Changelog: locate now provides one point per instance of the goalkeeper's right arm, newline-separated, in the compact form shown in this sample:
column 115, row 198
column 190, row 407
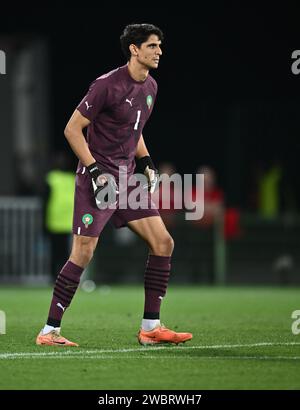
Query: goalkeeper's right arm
column 74, row 135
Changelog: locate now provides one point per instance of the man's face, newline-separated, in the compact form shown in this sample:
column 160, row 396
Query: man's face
column 149, row 52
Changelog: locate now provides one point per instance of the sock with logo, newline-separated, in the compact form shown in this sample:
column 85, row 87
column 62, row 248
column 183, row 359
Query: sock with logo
column 65, row 287
column 48, row 329
column 156, row 282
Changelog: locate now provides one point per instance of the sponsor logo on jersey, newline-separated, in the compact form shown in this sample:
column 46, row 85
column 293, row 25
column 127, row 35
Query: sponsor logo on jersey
column 129, row 101
column 87, row 105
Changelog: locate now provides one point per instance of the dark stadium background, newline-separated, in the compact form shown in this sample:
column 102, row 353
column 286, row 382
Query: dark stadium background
column 227, row 98
column 227, row 95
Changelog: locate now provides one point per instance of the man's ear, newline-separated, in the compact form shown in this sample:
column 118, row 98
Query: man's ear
column 133, row 49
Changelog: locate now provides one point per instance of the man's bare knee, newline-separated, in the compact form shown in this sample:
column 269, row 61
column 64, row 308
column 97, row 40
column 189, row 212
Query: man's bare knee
column 82, row 250
column 163, row 246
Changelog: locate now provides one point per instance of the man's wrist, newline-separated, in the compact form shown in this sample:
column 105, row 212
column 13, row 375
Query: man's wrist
column 94, row 170
column 145, row 162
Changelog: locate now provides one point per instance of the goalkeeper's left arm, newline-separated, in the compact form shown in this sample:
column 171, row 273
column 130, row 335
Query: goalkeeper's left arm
column 146, row 164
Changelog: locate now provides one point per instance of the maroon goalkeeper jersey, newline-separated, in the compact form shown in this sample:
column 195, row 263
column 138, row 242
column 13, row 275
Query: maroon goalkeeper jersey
column 118, row 108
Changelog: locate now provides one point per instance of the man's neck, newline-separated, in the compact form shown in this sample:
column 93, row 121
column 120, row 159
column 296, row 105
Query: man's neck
column 137, row 71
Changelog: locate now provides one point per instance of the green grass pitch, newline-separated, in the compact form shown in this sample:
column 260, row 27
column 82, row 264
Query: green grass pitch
column 242, row 340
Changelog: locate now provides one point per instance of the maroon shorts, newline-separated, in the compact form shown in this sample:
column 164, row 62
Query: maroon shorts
column 88, row 220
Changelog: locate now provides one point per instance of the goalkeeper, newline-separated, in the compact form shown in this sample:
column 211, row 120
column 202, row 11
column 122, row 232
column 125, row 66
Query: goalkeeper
column 114, row 111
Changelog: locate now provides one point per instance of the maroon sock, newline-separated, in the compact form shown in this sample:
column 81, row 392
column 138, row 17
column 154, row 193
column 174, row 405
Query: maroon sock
column 65, row 287
column 156, row 281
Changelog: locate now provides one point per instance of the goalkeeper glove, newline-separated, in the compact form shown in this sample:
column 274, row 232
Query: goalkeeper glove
column 100, row 181
column 150, row 171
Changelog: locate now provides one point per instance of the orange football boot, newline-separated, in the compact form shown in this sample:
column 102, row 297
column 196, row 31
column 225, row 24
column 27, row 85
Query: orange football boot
column 160, row 334
column 53, row 338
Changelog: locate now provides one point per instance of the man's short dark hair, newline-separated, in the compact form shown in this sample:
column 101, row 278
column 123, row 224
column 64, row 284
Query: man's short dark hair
column 138, row 34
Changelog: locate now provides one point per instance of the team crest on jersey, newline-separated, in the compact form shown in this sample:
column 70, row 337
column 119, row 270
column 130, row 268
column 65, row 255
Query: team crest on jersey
column 87, row 219
column 149, row 101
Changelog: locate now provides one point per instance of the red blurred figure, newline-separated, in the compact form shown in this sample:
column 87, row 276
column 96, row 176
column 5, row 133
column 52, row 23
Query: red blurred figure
column 213, row 197
column 214, row 205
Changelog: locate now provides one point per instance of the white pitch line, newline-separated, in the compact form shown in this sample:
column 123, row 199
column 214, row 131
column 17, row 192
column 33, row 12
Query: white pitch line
column 104, row 357
column 101, row 352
